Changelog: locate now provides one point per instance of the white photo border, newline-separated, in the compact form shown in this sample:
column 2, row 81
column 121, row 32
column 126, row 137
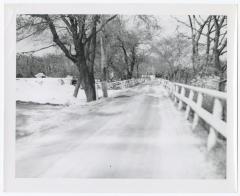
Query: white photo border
column 117, row 185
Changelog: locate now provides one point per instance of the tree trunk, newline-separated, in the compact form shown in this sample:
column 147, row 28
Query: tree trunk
column 208, row 45
column 193, row 43
column 186, row 77
column 216, row 57
column 133, row 61
column 90, row 91
column 76, row 89
column 194, row 57
column 221, row 86
column 216, row 53
column 84, row 57
column 86, row 68
column 89, row 87
column 104, row 83
column 131, row 69
column 129, row 74
column 137, row 70
column 87, row 80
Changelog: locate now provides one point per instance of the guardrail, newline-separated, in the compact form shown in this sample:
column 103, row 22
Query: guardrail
column 178, row 92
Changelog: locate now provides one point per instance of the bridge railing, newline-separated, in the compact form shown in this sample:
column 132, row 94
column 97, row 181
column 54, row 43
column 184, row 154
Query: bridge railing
column 217, row 125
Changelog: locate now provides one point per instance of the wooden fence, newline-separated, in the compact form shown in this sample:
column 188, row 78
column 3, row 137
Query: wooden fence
column 217, row 125
column 122, row 83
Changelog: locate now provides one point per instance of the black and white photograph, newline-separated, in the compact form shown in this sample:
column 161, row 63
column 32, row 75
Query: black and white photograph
column 121, row 96
column 125, row 98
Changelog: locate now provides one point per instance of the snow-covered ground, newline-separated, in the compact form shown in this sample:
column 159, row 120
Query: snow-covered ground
column 51, row 90
column 36, row 97
column 138, row 133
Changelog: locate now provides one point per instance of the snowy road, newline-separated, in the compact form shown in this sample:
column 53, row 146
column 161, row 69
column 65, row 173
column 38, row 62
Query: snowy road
column 137, row 134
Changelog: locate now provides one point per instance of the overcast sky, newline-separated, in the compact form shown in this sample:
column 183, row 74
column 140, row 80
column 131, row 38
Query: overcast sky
column 168, row 28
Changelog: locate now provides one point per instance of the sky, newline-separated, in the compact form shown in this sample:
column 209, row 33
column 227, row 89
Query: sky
column 168, row 26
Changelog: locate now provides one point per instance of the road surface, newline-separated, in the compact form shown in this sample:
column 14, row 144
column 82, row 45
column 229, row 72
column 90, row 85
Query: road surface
column 137, row 134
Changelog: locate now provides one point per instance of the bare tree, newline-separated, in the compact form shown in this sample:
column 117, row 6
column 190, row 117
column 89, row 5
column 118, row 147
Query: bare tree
column 196, row 32
column 196, row 25
column 220, row 44
column 208, row 44
column 76, row 35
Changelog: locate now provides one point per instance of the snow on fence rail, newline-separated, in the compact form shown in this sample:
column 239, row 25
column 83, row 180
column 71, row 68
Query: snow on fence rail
column 214, row 119
column 122, row 83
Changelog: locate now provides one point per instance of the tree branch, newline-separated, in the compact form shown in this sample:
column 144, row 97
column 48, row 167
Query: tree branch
column 37, row 50
column 201, row 29
column 223, row 46
column 101, row 27
column 31, row 34
column 56, row 38
column 66, row 22
column 223, row 52
column 190, row 26
column 26, row 25
column 223, row 36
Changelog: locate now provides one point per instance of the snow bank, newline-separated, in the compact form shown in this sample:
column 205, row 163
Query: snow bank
column 51, row 90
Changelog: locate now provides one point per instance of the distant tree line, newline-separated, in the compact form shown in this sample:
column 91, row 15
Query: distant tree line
column 51, row 65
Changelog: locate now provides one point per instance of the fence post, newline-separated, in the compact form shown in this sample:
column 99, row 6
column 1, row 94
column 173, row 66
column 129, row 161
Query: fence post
column 124, row 84
column 166, row 86
column 131, row 82
column 188, row 106
column 199, row 104
column 171, row 90
column 96, row 89
column 180, row 104
column 176, row 92
column 217, row 112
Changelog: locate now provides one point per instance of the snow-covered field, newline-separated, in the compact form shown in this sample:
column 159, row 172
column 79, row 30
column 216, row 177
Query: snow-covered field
column 51, row 90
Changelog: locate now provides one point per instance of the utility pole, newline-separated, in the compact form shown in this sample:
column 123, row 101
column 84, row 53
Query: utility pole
column 103, row 68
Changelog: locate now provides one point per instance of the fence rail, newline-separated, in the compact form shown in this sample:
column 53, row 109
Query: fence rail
column 178, row 92
column 122, row 83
